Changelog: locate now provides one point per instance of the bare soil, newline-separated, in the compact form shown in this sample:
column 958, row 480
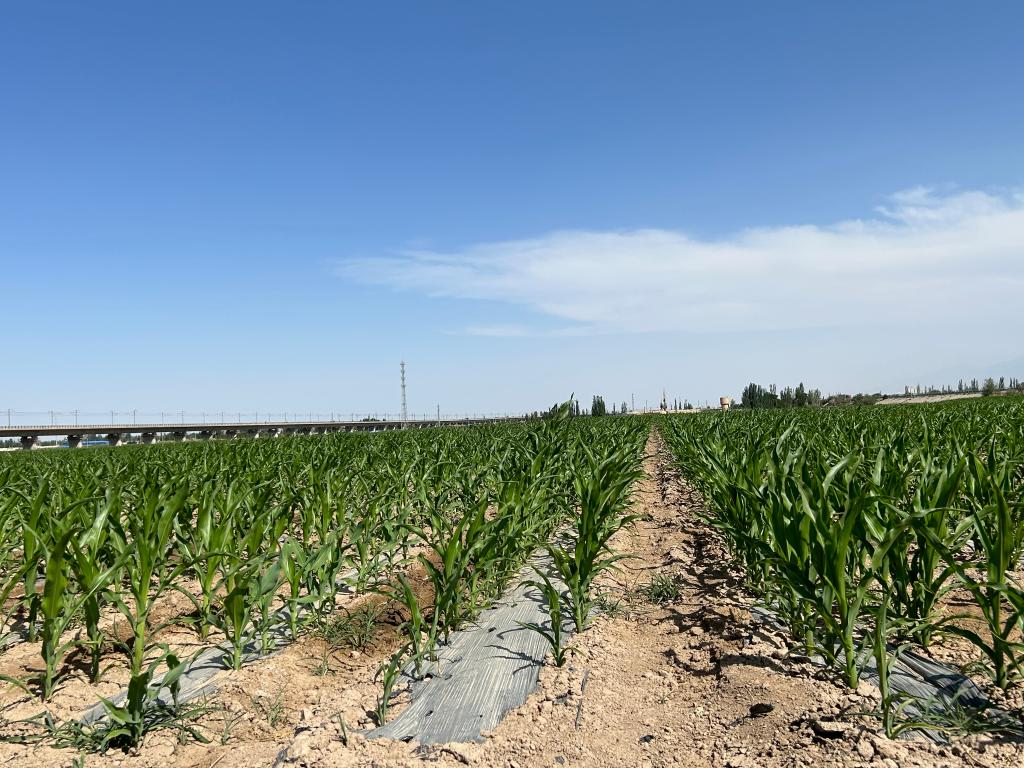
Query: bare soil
column 694, row 682
column 914, row 399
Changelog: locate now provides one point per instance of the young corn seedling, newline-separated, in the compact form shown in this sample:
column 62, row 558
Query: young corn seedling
column 144, row 710
column 892, row 702
column 34, row 519
column 56, row 604
column 143, row 550
column 300, row 567
column 318, row 559
column 455, row 581
column 553, row 632
column 365, row 547
column 917, row 576
column 421, row 634
column 1000, row 532
column 249, row 588
column 389, row 672
column 87, row 555
column 9, row 521
column 602, row 485
column 207, row 544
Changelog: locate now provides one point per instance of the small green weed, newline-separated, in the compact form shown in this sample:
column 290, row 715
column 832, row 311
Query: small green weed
column 272, row 708
column 323, row 667
column 228, row 722
column 609, row 605
column 663, row 589
column 355, row 629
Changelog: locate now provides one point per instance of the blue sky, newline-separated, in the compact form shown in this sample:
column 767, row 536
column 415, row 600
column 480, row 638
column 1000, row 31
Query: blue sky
column 266, row 205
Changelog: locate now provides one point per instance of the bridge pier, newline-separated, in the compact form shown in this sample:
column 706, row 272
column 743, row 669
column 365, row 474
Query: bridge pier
column 115, row 438
column 148, row 438
column 28, row 442
column 205, row 434
column 178, row 437
column 74, row 441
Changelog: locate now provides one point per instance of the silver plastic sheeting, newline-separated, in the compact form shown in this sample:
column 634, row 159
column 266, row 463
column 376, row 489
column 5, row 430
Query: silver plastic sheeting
column 485, row 671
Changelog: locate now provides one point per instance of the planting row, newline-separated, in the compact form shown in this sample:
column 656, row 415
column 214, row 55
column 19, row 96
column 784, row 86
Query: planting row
column 856, row 526
column 260, row 533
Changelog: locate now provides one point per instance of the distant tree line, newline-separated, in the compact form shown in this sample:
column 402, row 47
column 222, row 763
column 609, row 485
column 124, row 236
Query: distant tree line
column 597, row 408
column 988, row 386
column 756, row 396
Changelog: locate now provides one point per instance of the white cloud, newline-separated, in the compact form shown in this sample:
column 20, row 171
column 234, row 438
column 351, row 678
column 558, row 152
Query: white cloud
column 516, row 330
column 501, row 331
column 926, row 258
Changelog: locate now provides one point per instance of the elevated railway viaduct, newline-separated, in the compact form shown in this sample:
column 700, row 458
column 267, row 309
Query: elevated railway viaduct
column 116, row 434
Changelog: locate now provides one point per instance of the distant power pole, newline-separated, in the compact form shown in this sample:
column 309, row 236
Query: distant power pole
column 405, row 412
column 632, row 401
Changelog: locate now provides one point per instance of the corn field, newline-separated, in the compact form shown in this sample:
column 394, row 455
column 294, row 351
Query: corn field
column 262, row 536
column 857, row 526
column 865, row 531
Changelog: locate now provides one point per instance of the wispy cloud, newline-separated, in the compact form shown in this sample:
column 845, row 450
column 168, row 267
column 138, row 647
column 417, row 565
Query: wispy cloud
column 926, row 257
column 501, row 331
column 514, row 330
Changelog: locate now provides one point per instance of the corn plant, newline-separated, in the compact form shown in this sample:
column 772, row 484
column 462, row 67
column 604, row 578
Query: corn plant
column 88, row 553
column 454, row 547
column 602, row 484
column 33, row 520
column 421, row 634
column 893, row 703
column 300, row 571
column 242, row 611
column 856, row 523
column 365, row 546
column 922, row 575
column 389, row 673
column 57, row 605
column 148, row 534
column 553, row 632
column 1000, row 533
column 144, row 710
column 207, row 543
